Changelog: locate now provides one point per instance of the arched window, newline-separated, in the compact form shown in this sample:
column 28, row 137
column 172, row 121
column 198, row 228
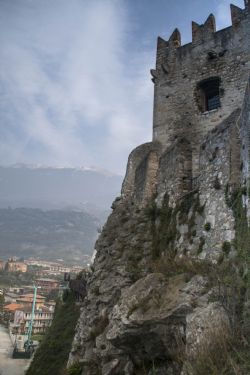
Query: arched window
column 209, row 94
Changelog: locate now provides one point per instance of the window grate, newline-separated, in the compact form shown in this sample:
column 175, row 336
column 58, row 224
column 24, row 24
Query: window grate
column 213, row 102
column 209, row 94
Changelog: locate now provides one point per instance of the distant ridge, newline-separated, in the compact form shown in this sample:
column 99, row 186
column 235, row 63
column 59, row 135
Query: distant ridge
column 50, row 212
column 48, row 235
column 46, row 187
column 56, row 167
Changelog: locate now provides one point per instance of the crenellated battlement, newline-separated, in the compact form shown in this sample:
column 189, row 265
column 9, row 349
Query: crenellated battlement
column 201, row 33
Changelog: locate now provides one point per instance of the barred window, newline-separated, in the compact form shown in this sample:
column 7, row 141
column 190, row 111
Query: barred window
column 209, row 94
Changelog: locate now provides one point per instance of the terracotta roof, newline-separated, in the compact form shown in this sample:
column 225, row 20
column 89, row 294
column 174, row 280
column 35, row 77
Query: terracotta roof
column 12, row 307
column 12, row 295
column 49, row 280
column 44, row 309
column 29, row 300
column 31, row 295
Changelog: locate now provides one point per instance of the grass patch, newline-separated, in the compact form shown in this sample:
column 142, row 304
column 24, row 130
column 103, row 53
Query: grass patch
column 215, row 355
column 187, row 266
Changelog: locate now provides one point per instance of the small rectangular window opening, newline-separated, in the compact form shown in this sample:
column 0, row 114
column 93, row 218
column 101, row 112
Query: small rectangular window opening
column 212, row 97
column 211, row 94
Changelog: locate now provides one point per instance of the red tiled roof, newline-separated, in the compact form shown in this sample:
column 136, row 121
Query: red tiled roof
column 49, row 280
column 27, row 300
column 32, row 295
column 44, row 309
column 13, row 307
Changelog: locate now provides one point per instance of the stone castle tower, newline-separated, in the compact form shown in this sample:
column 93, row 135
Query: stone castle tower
column 177, row 206
column 197, row 86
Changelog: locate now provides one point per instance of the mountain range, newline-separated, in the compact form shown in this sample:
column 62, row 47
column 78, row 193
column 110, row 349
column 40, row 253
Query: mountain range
column 53, row 188
column 52, row 213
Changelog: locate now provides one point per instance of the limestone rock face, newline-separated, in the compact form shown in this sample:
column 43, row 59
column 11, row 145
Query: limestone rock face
column 139, row 314
column 121, row 259
column 151, row 312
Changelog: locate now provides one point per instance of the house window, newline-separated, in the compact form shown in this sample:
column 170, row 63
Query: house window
column 209, row 94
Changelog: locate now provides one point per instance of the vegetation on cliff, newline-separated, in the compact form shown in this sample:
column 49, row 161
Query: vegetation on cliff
column 52, row 355
column 224, row 350
column 227, row 350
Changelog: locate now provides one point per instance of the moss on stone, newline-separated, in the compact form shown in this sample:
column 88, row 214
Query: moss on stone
column 207, row 227
column 163, row 228
column 226, row 247
column 165, row 222
column 201, row 245
column 75, row 369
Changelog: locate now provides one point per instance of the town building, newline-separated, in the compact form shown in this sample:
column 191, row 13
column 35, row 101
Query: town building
column 10, row 297
column 9, row 311
column 16, row 289
column 14, row 266
column 27, row 300
column 52, row 268
column 2, row 265
column 47, row 285
column 42, row 319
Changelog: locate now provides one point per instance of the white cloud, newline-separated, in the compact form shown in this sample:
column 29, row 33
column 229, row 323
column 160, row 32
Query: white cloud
column 71, row 95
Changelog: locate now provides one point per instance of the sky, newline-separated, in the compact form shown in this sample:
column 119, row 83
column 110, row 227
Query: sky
column 75, row 87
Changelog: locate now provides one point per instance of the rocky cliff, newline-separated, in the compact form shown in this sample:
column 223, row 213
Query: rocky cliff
column 170, row 282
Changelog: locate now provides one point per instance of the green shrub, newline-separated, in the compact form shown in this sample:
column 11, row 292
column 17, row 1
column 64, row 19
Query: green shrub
column 52, row 355
column 226, row 247
column 185, row 265
column 244, row 190
column 75, row 369
column 217, row 184
column 207, row 227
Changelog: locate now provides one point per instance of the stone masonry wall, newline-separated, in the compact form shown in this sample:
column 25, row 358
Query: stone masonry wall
column 209, row 222
column 146, row 178
column 180, row 68
column 175, row 171
column 142, row 163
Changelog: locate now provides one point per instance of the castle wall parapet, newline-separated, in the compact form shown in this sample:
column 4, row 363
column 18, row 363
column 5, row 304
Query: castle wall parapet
column 139, row 183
